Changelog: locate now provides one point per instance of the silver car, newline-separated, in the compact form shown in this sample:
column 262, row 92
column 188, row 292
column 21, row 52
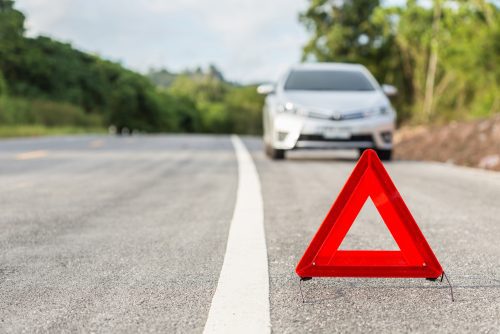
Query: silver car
column 328, row 106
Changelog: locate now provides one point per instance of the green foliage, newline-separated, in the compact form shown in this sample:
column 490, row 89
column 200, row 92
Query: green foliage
column 162, row 77
column 343, row 31
column 40, row 130
column 51, row 113
column 184, row 115
column 3, row 86
column 11, row 30
column 245, row 107
column 11, row 39
column 221, row 107
column 52, row 84
column 48, row 113
column 202, row 87
column 12, row 27
column 396, row 44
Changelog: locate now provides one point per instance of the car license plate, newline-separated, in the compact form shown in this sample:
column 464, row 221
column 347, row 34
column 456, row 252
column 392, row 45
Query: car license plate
column 337, row 133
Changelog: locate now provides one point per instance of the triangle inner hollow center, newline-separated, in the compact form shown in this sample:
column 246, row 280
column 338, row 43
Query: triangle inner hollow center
column 369, row 232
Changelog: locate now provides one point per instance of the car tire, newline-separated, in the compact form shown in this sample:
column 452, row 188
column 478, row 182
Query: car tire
column 267, row 149
column 384, row 155
column 275, row 154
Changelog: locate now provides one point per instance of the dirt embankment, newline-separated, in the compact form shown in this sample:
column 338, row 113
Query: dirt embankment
column 473, row 143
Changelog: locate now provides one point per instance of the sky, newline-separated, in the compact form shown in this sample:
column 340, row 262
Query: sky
column 249, row 40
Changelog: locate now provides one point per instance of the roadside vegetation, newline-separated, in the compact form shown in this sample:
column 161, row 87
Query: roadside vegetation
column 442, row 55
column 47, row 85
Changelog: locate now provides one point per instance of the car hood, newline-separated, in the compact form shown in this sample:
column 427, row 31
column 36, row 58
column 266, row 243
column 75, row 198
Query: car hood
column 335, row 102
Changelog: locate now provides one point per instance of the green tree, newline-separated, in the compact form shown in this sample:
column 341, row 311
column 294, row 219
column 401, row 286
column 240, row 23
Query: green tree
column 214, row 72
column 343, row 31
column 201, row 86
column 3, row 85
column 11, row 22
column 468, row 81
column 53, row 84
column 208, row 92
column 407, row 30
column 135, row 105
column 11, row 35
column 245, row 110
column 183, row 115
column 162, row 77
column 448, row 56
column 443, row 58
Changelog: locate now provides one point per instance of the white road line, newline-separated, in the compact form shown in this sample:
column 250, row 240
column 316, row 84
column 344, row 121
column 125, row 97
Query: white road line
column 241, row 300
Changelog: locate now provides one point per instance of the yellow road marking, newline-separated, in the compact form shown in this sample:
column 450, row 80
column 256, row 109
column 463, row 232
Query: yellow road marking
column 31, row 155
column 96, row 143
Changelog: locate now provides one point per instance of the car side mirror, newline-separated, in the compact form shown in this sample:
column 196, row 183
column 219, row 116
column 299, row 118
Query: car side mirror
column 389, row 90
column 266, row 89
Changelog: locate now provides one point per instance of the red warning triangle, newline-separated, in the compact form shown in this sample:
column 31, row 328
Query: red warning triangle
column 323, row 257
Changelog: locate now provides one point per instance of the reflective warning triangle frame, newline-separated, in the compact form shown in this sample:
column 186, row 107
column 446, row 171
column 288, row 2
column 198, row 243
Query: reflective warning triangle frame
column 324, row 259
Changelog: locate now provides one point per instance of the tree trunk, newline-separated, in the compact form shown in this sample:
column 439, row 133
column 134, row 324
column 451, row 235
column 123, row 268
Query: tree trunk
column 433, row 60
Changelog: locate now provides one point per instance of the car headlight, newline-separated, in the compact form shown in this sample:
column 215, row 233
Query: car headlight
column 291, row 108
column 287, row 107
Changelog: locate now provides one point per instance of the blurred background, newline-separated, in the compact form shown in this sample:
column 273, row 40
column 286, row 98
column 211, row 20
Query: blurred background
column 71, row 66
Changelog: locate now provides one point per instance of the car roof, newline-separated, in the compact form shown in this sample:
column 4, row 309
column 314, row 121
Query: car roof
column 328, row 66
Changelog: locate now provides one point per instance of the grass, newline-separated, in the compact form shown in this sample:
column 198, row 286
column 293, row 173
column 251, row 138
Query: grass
column 40, row 130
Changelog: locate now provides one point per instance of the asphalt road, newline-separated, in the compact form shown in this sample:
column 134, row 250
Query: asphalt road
column 128, row 234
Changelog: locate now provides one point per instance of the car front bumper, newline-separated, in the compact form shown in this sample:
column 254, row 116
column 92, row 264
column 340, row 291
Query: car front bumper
column 297, row 132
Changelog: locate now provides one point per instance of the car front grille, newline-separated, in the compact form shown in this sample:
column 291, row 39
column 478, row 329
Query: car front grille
column 342, row 117
column 353, row 138
column 356, row 115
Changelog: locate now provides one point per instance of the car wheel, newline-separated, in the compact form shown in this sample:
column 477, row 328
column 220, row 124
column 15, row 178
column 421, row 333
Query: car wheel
column 384, row 155
column 267, row 149
column 275, row 154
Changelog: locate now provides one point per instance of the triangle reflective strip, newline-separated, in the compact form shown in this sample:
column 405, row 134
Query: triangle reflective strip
column 369, row 179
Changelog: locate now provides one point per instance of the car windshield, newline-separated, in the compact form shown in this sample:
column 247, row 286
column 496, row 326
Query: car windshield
column 328, row 80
